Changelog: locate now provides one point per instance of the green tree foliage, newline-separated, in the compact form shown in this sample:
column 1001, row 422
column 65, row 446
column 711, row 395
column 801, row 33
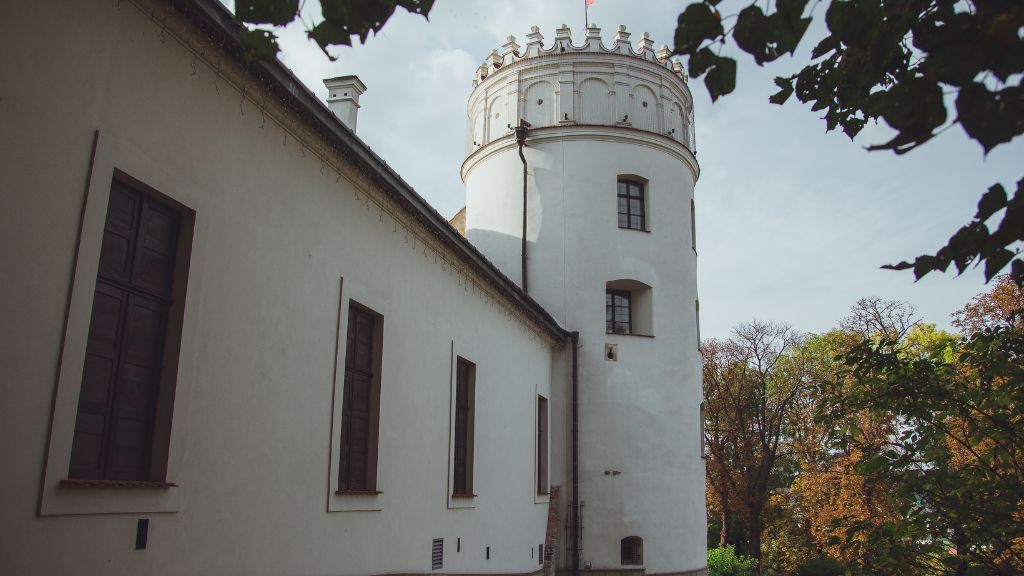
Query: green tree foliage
column 342, row 20
column 953, row 458
column 894, row 60
column 902, row 451
column 725, row 562
column 821, row 566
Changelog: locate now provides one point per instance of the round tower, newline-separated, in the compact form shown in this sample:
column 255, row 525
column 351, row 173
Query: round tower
column 610, row 251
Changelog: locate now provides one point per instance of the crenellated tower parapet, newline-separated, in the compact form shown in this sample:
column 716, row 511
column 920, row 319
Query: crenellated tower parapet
column 622, row 86
column 534, row 48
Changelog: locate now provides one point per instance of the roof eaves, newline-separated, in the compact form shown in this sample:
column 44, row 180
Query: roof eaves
column 215, row 20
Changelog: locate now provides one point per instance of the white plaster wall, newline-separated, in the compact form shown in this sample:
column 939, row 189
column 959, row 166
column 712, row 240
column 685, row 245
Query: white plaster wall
column 253, row 418
column 639, row 415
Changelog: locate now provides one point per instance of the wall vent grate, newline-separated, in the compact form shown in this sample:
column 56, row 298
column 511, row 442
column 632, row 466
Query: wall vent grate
column 437, row 554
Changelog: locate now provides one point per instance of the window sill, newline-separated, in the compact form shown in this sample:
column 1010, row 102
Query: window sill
column 81, row 483
column 463, row 495
column 629, row 334
column 635, row 229
column 358, row 492
column 79, row 496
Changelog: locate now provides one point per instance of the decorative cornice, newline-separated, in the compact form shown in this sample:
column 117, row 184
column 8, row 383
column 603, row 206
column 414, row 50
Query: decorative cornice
column 589, row 133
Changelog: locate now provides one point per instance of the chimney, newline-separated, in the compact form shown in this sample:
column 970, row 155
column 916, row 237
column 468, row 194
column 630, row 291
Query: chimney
column 343, row 98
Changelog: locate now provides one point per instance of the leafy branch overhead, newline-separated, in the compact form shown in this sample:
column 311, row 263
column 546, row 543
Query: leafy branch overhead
column 974, row 240
column 894, row 60
column 342, row 20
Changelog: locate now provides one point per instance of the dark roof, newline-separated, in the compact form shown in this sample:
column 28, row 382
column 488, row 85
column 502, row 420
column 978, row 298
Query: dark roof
column 214, row 20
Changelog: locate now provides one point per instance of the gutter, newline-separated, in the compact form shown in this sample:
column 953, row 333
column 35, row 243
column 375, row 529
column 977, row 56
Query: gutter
column 521, row 131
column 574, row 521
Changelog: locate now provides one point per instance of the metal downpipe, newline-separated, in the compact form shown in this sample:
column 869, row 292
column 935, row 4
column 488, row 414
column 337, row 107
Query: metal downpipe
column 574, row 338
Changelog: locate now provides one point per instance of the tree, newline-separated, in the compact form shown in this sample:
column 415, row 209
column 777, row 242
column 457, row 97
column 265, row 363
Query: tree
column 828, row 494
column 342, row 19
column 751, row 385
column 895, row 60
column 873, row 316
column 952, row 458
column 1003, row 305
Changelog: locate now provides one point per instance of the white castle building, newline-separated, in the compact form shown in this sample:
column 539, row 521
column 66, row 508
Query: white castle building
column 235, row 341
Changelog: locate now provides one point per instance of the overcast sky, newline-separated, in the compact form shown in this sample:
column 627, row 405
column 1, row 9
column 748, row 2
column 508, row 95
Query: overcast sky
column 792, row 222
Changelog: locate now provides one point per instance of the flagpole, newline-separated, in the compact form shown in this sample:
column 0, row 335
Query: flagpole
column 586, row 16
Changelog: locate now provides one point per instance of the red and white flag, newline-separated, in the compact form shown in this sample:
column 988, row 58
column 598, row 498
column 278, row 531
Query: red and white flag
column 589, row 2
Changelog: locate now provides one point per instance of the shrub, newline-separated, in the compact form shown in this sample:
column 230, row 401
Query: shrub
column 821, row 566
column 725, row 562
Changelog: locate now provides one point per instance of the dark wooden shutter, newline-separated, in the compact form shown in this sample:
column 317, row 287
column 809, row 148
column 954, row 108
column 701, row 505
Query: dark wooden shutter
column 542, row 445
column 460, row 483
column 358, row 401
column 98, row 382
column 124, row 352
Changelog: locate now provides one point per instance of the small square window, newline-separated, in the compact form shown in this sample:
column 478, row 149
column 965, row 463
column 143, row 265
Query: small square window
column 632, row 551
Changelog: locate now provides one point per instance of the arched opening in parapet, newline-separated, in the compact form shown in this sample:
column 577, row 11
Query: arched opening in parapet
column 538, row 107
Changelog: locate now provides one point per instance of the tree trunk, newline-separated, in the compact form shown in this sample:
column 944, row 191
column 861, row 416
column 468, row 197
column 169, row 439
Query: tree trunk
column 754, row 533
column 723, row 535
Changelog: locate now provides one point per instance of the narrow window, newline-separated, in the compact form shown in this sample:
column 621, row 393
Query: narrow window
column 631, row 205
column 361, row 402
column 632, row 551
column 618, row 319
column 693, row 225
column 703, row 443
column 542, row 445
column 696, row 314
column 123, row 422
column 465, row 381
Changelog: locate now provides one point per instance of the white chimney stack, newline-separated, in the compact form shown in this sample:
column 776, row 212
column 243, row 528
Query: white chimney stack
column 343, row 98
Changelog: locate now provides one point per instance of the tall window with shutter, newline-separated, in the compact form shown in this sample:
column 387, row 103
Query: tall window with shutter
column 465, row 384
column 123, row 417
column 542, row 445
column 360, row 405
column 693, row 225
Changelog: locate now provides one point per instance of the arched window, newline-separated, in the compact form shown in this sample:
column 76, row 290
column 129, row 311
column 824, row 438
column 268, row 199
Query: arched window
column 632, row 551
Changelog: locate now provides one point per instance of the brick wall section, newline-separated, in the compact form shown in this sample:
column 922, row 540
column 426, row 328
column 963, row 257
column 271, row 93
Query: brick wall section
column 551, row 538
